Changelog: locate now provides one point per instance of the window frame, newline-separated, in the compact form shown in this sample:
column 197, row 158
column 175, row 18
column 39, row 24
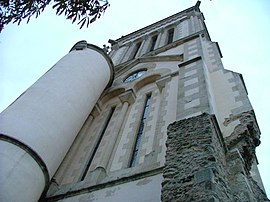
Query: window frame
column 134, row 75
column 136, row 50
column 170, row 35
column 141, row 126
column 153, row 42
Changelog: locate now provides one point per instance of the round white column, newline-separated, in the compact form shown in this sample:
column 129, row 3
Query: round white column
column 42, row 123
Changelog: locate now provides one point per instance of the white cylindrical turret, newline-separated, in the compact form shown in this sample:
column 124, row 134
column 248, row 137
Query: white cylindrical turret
column 38, row 128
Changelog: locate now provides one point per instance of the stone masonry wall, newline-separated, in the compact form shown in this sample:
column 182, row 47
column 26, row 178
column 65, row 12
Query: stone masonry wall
column 195, row 161
column 202, row 166
column 241, row 145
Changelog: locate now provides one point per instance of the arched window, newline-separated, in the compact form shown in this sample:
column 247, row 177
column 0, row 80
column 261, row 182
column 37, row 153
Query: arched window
column 140, row 131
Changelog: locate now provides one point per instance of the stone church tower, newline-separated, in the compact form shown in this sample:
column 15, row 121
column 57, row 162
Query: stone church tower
column 157, row 119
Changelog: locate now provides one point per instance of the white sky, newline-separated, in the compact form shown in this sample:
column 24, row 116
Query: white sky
column 242, row 29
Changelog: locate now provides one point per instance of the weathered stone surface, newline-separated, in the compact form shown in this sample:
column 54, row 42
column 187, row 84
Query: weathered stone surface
column 195, row 161
column 242, row 143
column 245, row 137
column 201, row 167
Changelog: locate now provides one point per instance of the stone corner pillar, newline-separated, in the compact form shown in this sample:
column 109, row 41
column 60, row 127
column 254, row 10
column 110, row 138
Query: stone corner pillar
column 38, row 128
column 195, row 162
column 244, row 177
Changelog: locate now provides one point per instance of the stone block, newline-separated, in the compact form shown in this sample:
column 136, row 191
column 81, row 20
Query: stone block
column 204, row 175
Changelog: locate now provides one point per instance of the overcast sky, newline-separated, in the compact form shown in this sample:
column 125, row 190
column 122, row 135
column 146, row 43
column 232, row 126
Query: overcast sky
column 242, row 29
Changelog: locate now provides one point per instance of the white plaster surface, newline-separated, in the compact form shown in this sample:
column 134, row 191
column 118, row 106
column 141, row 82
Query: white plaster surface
column 190, row 65
column 191, row 81
column 185, row 26
column 21, row 178
column 190, row 43
column 172, row 102
column 193, row 51
column 224, row 98
column 173, row 51
column 193, row 46
column 190, row 73
column 191, row 91
column 192, row 115
column 193, row 103
column 172, row 65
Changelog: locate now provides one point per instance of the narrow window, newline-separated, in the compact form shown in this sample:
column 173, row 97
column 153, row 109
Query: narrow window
column 140, row 131
column 97, row 144
column 153, row 42
column 170, row 36
column 136, row 49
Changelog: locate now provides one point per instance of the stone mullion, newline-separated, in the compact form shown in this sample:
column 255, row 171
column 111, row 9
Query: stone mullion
column 128, row 52
column 127, row 98
column 145, row 45
column 192, row 24
column 178, row 31
column 159, row 42
column 162, row 84
column 142, row 48
column 75, row 147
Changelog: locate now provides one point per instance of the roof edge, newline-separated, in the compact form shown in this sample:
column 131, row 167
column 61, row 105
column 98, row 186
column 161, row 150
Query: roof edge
column 195, row 7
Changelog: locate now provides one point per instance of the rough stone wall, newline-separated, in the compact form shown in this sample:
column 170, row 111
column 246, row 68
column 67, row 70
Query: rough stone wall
column 195, row 161
column 201, row 166
column 245, row 137
column 241, row 144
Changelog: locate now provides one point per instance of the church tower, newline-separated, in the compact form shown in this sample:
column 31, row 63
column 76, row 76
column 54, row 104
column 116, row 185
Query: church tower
column 158, row 118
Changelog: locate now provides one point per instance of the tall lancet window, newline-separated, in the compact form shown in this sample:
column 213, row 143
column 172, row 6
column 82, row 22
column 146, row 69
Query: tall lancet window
column 140, row 131
column 97, row 144
column 170, row 36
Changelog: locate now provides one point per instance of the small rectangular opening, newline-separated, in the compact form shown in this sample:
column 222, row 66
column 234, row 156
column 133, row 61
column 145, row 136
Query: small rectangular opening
column 153, row 42
column 170, row 36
